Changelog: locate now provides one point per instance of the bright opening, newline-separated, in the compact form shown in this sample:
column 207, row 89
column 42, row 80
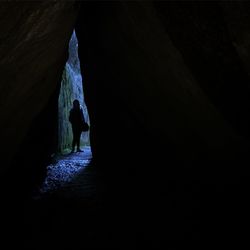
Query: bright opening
column 67, row 165
column 71, row 89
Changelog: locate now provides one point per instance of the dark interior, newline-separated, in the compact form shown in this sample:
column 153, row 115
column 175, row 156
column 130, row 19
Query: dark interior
column 166, row 84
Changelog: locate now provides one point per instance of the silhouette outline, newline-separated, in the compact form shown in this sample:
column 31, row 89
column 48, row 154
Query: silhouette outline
column 76, row 118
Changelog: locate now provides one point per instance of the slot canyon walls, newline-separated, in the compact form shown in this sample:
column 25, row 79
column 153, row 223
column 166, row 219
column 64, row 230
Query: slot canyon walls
column 167, row 90
column 202, row 36
column 33, row 53
column 170, row 88
column 167, row 80
column 71, row 89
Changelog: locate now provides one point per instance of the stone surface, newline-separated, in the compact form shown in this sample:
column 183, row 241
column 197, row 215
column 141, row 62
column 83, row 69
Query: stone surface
column 33, row 53
column 155, row 95
column 202, row 35
column 71, row 89
column 64, row 169
column 177, row 105
column 159, row 82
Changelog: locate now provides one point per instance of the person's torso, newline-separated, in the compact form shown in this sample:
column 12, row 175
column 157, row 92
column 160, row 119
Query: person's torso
column 76, row 117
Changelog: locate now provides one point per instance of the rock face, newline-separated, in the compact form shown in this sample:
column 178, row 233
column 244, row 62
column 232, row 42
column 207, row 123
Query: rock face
column 201, row 34
column 178, row 101
column 154, row 92
column 167, row 90
column 33, row 53
column 71, row 89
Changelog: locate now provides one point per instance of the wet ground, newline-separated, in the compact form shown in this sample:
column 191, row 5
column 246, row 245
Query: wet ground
column 66, row 213
column 80, row 207
column 61, row 174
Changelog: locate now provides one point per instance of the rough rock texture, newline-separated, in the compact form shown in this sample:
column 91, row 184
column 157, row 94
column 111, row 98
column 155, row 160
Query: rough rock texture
column 236, row 15
column 64, row 169
column 33, row 53
column 167, row 92
column 201, row 34
column 153, row 92
column 177, row 105
column 71, row 88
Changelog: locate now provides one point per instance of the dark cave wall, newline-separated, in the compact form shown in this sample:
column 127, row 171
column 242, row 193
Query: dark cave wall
column 157, row 98
column 33, row 54
column 236, row 16
column 168, row 102
column 201, row 34
column 161, row 76
column 170, row 85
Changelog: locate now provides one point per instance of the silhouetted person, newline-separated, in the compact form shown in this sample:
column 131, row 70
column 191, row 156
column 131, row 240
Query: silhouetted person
column 76, row 119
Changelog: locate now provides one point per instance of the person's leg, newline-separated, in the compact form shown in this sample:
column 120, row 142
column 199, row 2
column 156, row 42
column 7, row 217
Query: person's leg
column 78, row 141
column 73, row 144
column 74, row 141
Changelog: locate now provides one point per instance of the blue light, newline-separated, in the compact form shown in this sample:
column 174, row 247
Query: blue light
column 66, row 168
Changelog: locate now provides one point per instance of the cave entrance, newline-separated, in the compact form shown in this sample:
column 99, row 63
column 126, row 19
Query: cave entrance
column 66, row 166
column 71, row 89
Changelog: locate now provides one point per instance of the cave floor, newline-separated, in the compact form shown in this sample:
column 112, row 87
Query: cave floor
column 77, row 209
column 67, row 213
column 69, row 175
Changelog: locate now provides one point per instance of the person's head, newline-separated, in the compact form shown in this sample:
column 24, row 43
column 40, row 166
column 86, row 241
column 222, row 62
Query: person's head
column 76, row 104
